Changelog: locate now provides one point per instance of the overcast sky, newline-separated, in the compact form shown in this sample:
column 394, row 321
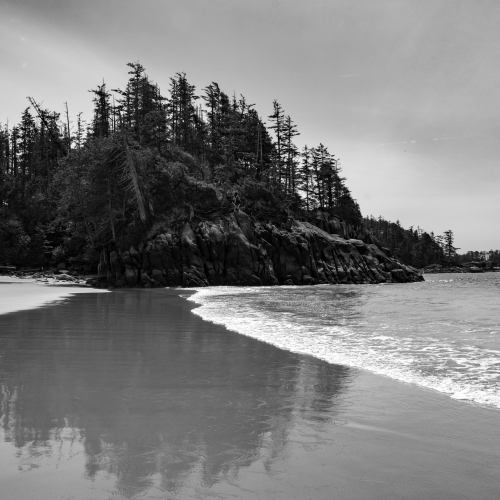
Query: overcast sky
column 405, row 93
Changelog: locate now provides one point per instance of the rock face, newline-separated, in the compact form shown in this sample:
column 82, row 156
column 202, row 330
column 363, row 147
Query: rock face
column 241, row 251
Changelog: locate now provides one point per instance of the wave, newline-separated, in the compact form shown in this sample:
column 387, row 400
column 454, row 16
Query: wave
column 341, row 327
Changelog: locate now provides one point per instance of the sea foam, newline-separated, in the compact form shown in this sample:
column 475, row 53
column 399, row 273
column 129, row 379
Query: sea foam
column 380, row 329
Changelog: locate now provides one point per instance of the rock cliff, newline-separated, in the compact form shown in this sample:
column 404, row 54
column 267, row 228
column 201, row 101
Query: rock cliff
column 238, row 250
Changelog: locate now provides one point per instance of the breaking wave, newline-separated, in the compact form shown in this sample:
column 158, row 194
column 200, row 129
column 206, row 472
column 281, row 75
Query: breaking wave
column 443, row 334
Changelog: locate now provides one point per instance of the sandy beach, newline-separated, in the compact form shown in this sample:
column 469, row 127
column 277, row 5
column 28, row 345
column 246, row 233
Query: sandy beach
column 127, row 394
column 18, row 294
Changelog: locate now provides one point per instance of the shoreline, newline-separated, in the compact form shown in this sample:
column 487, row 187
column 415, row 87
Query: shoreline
column 60, row 291
column 362, row 435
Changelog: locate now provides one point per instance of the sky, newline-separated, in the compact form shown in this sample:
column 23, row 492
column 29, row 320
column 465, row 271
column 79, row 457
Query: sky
column 405, row 93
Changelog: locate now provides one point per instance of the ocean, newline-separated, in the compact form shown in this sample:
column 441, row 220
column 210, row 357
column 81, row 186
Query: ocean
column 441, row 334
column 369, row 392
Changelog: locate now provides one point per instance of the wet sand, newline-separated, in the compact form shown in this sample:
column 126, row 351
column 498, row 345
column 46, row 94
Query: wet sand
column 129, row 395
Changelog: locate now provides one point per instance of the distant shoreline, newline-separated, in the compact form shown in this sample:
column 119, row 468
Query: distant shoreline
column 456, row 269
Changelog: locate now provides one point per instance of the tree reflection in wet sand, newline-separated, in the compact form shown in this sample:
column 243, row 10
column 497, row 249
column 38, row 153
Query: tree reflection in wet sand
column 154, row 394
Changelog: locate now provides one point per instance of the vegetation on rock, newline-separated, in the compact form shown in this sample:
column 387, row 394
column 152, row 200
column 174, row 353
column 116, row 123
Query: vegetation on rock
column 417, row 248
column 146, row 163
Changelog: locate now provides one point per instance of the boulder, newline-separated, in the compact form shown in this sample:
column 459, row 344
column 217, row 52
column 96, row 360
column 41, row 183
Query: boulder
column 64, row 277
column 131, row 275
column 399, row 275
column 158, row 277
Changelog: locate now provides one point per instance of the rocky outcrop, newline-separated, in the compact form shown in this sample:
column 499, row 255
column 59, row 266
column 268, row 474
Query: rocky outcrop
column 238, row 250
column 50, row 277
column 467, row 267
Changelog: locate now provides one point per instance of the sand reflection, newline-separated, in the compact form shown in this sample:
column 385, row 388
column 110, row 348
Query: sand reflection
column 135, row 389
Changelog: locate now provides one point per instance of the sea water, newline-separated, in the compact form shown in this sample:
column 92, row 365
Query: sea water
column 441, row 334
column 128, row 394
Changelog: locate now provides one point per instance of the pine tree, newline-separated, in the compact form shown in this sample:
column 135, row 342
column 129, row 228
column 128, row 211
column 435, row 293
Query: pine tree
column 328, row 176
column 448, row 239
column 5, row 177
column 26, row 150
column 278, row 122
column 317, row 183
column 102, row 112
column 141, row 110
column 306, row 181
column 182, row 111
column 212, row 99
column 290, row 153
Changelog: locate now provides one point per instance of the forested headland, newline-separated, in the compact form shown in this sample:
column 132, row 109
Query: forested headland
column 420, row 249
column 76, row 186
column 147, row 163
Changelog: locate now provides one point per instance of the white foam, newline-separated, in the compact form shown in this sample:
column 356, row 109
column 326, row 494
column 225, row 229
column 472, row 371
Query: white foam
column 462, row 371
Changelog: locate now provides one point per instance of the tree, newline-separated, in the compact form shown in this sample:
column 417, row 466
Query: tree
column 102, row 112
column 184, row 116
column 417, row 248
column 26, row 148
column 290, row 153
column 141, row 110
column 306, row 180
column 278, row 124
column 448, row 239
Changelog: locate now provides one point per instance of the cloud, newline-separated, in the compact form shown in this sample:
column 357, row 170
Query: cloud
column 435, row 139
column 396, row 143
column 460, row 137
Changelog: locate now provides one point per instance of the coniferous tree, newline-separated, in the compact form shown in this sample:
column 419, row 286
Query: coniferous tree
column 26, row 150
column 290, row 153
column 185, row 121
column 448, row 240
column 101, row 120
column 141, row 111
column 14, row 156
column 306, row 180
column 316, row 164
column 277, row 124
column 5, row 173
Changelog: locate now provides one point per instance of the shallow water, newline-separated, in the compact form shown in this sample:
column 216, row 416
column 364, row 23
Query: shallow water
column 442, row 334
column 130, row 395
